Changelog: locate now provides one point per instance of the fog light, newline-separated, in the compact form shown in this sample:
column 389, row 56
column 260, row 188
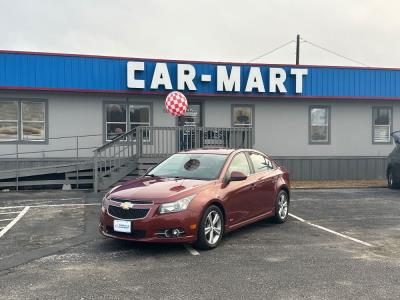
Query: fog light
column 170, row 233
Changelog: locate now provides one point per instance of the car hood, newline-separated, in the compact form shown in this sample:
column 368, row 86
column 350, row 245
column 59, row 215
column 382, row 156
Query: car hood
column 158, row 189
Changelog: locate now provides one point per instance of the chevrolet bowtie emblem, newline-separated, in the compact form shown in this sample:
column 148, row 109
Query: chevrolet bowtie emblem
column 126, row 205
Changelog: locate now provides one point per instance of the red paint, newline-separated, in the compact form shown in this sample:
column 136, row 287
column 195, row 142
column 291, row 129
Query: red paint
column 244, row 202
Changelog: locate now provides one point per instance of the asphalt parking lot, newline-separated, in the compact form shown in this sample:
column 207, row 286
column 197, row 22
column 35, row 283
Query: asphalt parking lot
column 337, row 244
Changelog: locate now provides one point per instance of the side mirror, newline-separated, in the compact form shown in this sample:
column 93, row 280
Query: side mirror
column 237, row 176
column 396, row 137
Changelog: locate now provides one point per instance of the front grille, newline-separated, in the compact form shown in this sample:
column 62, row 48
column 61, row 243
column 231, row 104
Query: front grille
column 127, row 214
column 133, row 234
column 141, row 202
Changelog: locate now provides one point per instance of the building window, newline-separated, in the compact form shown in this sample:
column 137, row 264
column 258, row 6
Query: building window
column 242, row 116
column 8, row 121
column 33, row 121
column 115, row 120
column 23, row 121
column 139, row 115
column 381, row 124
column 121, row 118
column 319, row 125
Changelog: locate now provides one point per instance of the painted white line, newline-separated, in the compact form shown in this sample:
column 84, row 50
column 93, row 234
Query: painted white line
column 12, row 223
column 9, row 213
column 2, row 220
column 52, row 205
column 332, row 231
column 191, row 250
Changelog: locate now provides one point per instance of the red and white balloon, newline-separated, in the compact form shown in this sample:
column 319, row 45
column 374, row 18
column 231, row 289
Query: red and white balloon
column 176, row 103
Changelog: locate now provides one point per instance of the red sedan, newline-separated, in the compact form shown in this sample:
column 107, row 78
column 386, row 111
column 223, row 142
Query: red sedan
column 196, row 197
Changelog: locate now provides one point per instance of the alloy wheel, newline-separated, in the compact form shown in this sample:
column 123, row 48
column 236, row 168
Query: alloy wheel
column 390, row 179
column 213, row 227
column 282, row 206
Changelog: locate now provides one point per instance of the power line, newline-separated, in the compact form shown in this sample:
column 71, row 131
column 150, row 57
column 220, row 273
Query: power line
column 272, row 51
column 334, row 53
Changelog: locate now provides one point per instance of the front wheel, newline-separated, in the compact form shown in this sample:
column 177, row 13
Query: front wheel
column 281, row 207
column 392, row 183
column 211, row 228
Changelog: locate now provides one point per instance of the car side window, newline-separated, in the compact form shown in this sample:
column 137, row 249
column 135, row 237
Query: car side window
column 239, row 163
column 260, row 163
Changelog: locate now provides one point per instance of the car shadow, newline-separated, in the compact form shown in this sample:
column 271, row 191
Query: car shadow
column 143, row 249
column 109, row 245
column 246, row 231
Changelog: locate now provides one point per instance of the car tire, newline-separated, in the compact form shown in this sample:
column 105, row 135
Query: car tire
column 211, row 228
column 392, row 182
column 281, row 207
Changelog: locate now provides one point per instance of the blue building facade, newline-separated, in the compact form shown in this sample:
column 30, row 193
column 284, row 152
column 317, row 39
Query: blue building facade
column 63, row 72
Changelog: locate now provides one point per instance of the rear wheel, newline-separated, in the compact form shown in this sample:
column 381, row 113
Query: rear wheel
column 281, row 207
column 392, row 182
column 211, row 228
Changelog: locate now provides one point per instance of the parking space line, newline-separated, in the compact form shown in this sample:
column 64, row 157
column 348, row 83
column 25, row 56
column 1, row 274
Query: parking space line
column 12, row 223
column 191, row 250
column 331, row 231
column 9, row 213
column 2, row 220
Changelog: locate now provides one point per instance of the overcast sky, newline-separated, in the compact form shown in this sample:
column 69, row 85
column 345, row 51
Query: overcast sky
column 212, row 30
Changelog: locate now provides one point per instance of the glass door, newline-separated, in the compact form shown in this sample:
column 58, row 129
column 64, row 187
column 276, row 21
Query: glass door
column 189, row 136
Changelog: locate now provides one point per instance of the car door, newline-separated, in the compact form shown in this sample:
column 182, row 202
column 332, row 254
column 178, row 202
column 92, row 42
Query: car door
column 394, row 157
column 396, row 162
column 238, row 201
column 266, row 176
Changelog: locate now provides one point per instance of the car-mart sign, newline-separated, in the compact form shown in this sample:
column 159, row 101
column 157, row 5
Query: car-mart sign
column 214, row 78
column 121, row 75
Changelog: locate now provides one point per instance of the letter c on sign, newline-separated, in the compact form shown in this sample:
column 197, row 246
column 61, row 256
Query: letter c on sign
column 132, row 67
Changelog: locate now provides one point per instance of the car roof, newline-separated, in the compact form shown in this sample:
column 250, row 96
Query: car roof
column 223, row 151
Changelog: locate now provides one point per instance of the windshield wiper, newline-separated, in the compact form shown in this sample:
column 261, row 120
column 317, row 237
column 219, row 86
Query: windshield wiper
column 150, row 175
column 179, row 177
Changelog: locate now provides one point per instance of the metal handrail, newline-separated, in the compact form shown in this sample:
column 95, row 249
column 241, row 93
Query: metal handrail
column 77, row 139
column 116, row 139
column 110, row 157
column 54, row 138
column 49, row 151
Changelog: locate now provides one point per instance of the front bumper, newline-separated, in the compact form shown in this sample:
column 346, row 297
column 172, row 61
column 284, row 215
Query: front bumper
column 150, row 228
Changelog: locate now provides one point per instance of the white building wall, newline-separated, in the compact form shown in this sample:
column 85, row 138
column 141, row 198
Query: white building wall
column 281, row 126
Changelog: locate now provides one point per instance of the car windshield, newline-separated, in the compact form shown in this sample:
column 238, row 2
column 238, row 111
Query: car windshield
column 190, row 166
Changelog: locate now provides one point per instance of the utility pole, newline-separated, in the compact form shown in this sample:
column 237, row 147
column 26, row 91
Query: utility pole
column 298, row 50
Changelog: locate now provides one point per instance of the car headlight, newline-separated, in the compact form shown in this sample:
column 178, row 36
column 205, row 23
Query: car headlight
column 175, row 206
column 103, row 204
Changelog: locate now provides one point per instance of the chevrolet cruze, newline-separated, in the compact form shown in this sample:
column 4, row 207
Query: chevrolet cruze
column 196, row 197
